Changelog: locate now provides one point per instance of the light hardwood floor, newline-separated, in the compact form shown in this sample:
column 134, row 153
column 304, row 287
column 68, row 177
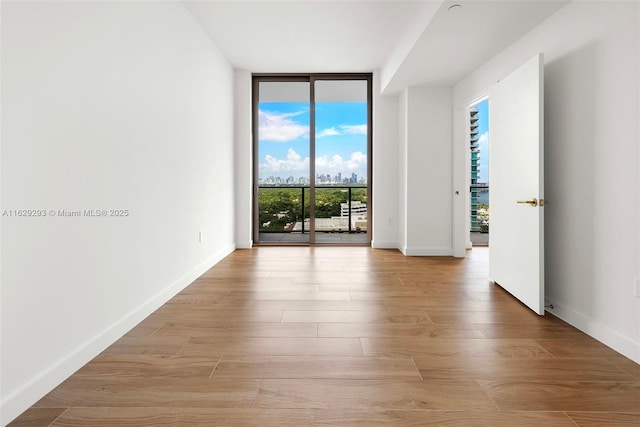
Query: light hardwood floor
column 347, row 336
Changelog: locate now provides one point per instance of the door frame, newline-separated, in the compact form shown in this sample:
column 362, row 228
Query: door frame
column 311, row 78
column 485, row 97
column 461, row 179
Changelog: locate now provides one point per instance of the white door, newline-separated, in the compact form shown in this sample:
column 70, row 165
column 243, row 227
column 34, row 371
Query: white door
column 516, row 260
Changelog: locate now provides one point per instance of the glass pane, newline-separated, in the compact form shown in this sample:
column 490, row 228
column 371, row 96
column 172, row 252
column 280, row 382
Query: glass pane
column 341, row 161
column 283, row 162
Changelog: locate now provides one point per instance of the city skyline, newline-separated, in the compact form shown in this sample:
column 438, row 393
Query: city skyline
column 325, row 179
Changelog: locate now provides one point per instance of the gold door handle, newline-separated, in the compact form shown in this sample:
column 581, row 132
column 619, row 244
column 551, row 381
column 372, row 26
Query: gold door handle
column 544, row 202
column 533, row 202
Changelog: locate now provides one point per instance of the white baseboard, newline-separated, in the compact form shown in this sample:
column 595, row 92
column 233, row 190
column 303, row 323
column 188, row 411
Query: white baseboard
column 21, row 399
column 413, row 251
column 377, row 244
column 602, row 333
column 244, row 244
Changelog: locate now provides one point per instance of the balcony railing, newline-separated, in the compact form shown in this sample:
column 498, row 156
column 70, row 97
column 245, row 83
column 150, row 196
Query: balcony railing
column 338, row 208
column 479, row 216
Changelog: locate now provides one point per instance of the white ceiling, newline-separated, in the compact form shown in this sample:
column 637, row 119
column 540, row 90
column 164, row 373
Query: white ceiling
column 454, row 44
column 413, row 42
column 304, row 36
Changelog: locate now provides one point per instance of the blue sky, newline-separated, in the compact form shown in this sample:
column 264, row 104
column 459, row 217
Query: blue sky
column 341, row 139
column 483, row 143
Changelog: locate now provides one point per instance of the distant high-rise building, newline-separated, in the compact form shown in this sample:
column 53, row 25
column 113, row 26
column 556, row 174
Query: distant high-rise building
column 357, row 208
column 475, row 166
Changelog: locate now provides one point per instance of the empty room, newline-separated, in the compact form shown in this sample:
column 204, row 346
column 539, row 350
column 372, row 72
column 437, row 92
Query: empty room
column 306, row 212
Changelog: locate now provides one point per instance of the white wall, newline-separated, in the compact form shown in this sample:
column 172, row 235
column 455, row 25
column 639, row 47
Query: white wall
column 105, row 105
column 592, row 162
column 385, row 164
column 243, row 148
column 385, row 168
column 427, row 169
column 403, row 141
column 461, row 223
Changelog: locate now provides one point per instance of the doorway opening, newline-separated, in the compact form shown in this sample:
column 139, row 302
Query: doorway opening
column 479, row 212
column 312, row 159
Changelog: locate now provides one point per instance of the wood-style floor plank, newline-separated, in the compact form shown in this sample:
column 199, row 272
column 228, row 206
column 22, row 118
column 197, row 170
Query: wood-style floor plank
column 599, row 419
column 369, row 394
column 150, row 392
column 147, row 345
column 204, row 346
column 119, row 416
column 538, row 331
column 582, row 348
column 347, row 336
column 215, row 315
column 486, row 368
column 143, row 366
column 309, row 295
column 145, row 328
column 451, row 315
column 37, row 417
column 225, row 330
column 626, row 365
column 306, row 305
column 317, row 367
column 390, row 330
column 410, row 418
column 183, row 417
column 344, row 316
column 559, row 395
column 448, row 347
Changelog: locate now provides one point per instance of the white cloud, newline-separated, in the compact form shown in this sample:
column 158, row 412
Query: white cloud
column 294, row 163
column 354, row 129
column 279, row 127
column 357, row 163
column 328, row 132
column 343, row 130
column 483, row 141
column 324, row 162
column 357, row 160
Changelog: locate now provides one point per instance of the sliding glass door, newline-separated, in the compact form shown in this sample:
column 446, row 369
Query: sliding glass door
column 341, row 161
column 282, row 152
column 312, row 159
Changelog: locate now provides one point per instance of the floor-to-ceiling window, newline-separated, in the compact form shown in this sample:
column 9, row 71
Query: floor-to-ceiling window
column 312, row 157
